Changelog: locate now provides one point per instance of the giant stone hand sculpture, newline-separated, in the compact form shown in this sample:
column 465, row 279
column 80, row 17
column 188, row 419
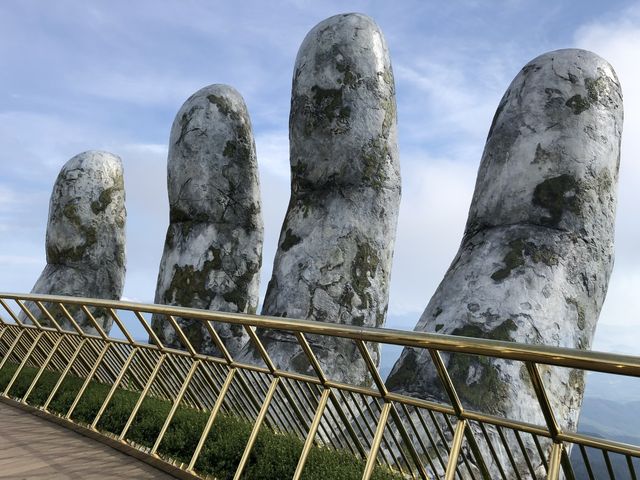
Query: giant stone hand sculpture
column 537, row 251
column 336, row 244
column 85, row 241
column 213, row 248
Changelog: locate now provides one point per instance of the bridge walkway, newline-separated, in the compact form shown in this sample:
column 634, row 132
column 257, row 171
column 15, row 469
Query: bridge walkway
column 34, row 448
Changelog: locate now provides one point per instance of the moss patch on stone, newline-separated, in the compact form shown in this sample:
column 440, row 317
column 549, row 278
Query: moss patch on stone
column 190, row 284
column 519, row 251
column 327, row 111
column 580, row 311
column 557, row 195
column 104, row 200
column 290, row 239
column 486, row 390
column 578, row 104
column 407, row 375
column 364, row 267
column 76, row 253
column 374, row 155
column 223, row 104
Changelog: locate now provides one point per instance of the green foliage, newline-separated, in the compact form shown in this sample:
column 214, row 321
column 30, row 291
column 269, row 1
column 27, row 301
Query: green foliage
column 274, row 454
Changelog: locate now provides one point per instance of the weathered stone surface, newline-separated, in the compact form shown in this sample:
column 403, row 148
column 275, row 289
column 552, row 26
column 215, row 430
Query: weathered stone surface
column 336, row 244
column 537, row 252
column 85, row 241
column 213, row 249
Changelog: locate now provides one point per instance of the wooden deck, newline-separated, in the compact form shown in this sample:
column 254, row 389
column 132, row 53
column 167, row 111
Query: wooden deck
column 34, row 448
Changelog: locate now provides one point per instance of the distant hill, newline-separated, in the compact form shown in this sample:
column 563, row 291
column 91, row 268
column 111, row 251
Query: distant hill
column 614, row 420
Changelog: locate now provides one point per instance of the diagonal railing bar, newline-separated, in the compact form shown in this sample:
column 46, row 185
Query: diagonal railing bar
column 347, row 424
column 373, row 371
column 87, row 380
column 71, row 319
column 15, row 376
column 387, row 448
column 566, row 465
column 313, row 429
column 541, row 454
column 10, row 312
column 28, row 313
column 113, row 389
column 174, row 407
column 607, row 462
column 398, row 447
column 454, row 452
column 94, row 322
column 142, row 397
column 492, row 451
column 543, row 400
column 52, row 321
column 121, row 326
column 219, row 343
column 15, row 342
column 512, row 461
column 365, row 415
column 477, row 454
column 525, row 454
column 409, row 445
column 447, row 383
column 372, row 368
column 403, row 444
column 338, row 440
column 555, row 458
column 256, row 428
column 461, row 456
column 432, row 441
column 361, row 418
column 64, row 373
column 632, row 470
column 152, row 335
column 255, row 341
column 258, row 380
column 375, row 443
column 306, row 348
column 181, row 335
column 418, row 437
column 41, row 370
column 212, row 417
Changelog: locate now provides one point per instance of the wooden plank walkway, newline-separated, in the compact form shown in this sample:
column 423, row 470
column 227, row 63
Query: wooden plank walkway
column 34, row 448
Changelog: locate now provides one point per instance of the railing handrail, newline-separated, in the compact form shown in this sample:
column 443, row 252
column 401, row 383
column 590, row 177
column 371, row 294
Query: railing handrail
column 559, row 356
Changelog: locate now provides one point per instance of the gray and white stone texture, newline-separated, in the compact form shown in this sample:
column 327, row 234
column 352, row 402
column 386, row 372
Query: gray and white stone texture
column 336, row 244
column 538, row 248
column 85, row 241
column 213, row 249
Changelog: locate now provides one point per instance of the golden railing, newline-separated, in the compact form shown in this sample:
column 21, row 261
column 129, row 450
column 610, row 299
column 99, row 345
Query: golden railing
column 416, row 438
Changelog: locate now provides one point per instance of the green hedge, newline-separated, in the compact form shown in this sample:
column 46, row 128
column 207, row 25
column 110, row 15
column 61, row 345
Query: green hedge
column 274, row 455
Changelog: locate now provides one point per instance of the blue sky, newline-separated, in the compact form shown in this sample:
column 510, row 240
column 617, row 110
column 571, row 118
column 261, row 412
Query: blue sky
column 78, row 75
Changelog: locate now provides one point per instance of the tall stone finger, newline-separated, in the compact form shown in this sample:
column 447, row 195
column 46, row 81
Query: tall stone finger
column 336, row 244
column 85, row 242
column 537, row 251
column 213, row 248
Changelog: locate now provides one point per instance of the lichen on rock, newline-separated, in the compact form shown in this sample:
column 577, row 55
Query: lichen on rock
column 213, row 247
column 334, row 254
column 85, row 241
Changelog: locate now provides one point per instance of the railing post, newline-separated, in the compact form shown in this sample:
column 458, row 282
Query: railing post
column 554, row 461
column 454, row 453
column 375, row 443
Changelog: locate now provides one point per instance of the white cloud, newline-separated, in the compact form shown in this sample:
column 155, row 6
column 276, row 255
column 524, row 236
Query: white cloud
column 272, row 149
column 617, row 41
column 435, row 201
